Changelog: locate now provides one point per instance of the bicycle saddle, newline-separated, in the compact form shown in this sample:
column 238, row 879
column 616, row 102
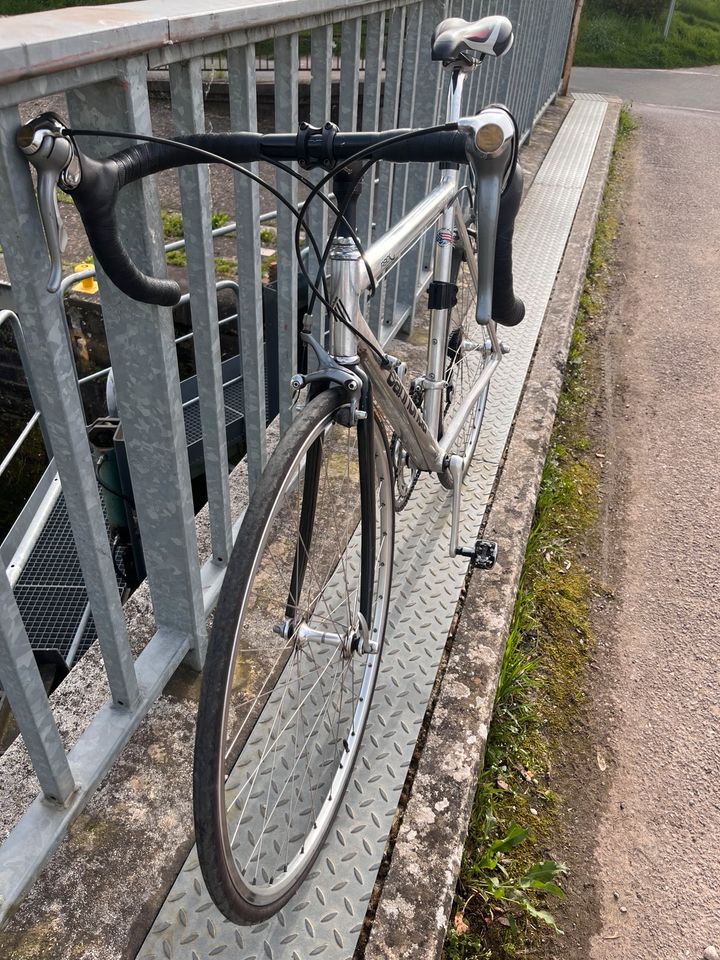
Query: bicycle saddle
column 459, row 40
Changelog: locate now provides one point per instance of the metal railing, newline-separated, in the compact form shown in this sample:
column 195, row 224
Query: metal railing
column 102, row 71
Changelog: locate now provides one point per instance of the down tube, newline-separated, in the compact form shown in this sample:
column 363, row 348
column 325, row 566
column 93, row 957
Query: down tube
column 396, row 405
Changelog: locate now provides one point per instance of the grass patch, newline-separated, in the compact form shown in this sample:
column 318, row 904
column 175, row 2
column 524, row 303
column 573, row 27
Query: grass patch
column 176, row 258
column 224, row 266
column 506, row 886
column 268, row 237
column 172, row 222
column 607, row 39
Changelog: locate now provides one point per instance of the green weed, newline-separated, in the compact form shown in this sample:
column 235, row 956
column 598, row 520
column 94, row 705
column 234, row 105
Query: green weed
column 219, row 219
column 225, row 267
column 172, row 222
column 176, row 258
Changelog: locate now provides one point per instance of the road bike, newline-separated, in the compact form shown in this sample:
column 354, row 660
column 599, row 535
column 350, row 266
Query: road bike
column 301, row 620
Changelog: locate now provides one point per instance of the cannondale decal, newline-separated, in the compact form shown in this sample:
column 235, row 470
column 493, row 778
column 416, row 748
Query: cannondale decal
column 401, row 393
column 444, row 237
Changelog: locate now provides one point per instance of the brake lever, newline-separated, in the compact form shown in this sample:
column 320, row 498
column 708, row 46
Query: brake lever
column 51, row 151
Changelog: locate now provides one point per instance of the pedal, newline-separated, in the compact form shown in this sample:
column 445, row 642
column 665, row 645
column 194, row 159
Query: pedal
column 483, row 556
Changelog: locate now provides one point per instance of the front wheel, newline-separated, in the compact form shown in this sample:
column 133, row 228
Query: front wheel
column 293, row 659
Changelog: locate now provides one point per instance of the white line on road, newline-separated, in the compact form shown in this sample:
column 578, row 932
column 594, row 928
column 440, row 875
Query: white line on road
column 665, row 106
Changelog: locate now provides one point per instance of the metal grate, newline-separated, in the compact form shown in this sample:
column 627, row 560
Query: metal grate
column 50, row 592
column 51, row 614
column 53, row 562
column 234, row 402
column 234, row 411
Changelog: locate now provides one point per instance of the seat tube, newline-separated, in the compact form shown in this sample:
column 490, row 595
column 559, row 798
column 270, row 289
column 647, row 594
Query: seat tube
column 443, row 245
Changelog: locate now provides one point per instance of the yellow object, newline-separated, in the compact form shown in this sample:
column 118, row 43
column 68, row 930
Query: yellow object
column 89, row 284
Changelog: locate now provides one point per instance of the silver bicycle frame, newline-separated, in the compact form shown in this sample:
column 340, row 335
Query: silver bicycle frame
column 350, row 279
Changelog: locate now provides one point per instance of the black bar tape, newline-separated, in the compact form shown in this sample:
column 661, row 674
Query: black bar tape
column 145, row 158
column 435, row 147
column 506, row 307
column 95, row 199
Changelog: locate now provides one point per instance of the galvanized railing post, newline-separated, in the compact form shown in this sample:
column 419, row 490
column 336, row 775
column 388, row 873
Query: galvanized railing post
column 21, row 681
column 189, row 115
column 391, row 104
column 321, row 45
column 477, row 9
column 52, row 370
column 544, row 39
column 349, row 74
column 286, row 118
column 411, row 59
column 243, row 116
column 142, row 350
column 428, row 79
column 372, row 78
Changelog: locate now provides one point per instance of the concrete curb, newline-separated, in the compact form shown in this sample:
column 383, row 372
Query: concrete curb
column 414, row 904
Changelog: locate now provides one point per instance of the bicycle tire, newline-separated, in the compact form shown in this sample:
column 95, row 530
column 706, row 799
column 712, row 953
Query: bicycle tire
column 466, row 357
column 335, row 500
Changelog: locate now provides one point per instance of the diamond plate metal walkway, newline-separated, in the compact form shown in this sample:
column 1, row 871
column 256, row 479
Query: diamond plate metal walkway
column 326, row 915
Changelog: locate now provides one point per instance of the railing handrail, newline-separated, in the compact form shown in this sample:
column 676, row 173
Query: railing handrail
column 35, row 44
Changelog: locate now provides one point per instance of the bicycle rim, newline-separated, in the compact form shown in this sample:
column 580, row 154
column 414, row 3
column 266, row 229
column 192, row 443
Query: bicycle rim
column 288, row 688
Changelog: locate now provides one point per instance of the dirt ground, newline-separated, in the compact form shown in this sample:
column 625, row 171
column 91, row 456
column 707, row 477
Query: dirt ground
column 639, row 772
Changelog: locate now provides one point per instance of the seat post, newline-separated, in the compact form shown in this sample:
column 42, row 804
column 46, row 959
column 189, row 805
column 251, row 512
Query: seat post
column 455, row 92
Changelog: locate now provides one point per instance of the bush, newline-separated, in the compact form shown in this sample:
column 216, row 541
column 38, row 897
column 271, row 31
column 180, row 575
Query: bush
column 608, row 39
column 647, row 9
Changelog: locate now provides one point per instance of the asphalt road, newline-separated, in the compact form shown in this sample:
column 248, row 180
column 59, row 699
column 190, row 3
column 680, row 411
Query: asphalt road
column 651, row 883
column 695, row 89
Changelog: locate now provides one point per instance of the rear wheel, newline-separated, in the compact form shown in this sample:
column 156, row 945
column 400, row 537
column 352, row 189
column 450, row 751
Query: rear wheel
column 293, row 659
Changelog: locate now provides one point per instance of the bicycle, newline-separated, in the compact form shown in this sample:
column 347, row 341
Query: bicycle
column 301, row 619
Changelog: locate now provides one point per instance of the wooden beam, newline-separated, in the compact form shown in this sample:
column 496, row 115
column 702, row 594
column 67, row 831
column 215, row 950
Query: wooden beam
column 570, row 54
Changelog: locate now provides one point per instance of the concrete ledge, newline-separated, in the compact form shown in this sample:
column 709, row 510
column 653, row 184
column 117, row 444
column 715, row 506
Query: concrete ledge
column 414, row 903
